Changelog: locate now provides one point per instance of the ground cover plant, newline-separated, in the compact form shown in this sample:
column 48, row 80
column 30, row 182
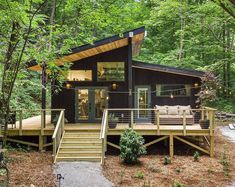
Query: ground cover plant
column 183, row 170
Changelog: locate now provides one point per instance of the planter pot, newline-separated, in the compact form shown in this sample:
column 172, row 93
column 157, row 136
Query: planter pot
column 204, row 124
column 112, row 124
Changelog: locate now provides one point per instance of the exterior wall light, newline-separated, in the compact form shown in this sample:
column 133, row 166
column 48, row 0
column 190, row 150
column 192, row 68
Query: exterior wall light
column 196, row 85
column 68, row 86
column 114, row 86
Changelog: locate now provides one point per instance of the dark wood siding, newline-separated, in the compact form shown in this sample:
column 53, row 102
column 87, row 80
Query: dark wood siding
column 151, row 78
column 117, row 99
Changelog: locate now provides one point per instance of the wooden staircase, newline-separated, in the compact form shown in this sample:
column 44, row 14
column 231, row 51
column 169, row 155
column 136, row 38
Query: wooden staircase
column 80, row 145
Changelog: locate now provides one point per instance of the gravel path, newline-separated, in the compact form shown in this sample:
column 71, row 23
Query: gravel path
column 81, row 174
column 226, row 131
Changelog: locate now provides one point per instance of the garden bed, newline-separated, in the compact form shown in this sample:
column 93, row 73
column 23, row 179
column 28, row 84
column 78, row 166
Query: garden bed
column 30, row 169
column 152, row 172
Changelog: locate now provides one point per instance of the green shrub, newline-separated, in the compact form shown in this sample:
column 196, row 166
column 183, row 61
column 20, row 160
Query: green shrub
column 131, row 145
column 139, row 175
column 178, row 170
column 178, row 184
column 167, row 160
column 196, row 156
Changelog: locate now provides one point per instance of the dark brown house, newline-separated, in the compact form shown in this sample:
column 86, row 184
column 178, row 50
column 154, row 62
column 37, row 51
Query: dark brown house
column 104, row 75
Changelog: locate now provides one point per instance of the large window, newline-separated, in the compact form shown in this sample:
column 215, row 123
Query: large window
column 79, row 75
column 173, row 89
column 110, row 71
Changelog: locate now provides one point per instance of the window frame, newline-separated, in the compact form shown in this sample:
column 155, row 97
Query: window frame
column 80, row 70
column 113, row 80
column 187, row 90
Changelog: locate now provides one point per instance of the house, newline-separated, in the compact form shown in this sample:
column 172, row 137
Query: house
column 104, row 75
column 105, row 86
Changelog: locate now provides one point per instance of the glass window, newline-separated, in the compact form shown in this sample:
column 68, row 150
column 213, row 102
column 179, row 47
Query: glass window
column 173, row 89
column 110, row 71
column 79, row 75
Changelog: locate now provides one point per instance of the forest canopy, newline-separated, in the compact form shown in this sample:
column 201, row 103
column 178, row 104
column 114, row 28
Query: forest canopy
column 195, row 34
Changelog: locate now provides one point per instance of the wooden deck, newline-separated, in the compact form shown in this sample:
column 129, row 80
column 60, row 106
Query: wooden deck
column 33, row 127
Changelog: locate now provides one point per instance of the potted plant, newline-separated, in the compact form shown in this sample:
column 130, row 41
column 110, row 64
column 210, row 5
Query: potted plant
column 204, row 123
column 112, row 121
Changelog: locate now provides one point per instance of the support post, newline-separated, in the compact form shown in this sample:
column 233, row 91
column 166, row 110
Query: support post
column 212, row 142
column 184, row 122
column 44, row 81
column 132, row 118
column 171, row 145
column 158, row 122
column 20, row 122
column 129, row 62
column 40, row 143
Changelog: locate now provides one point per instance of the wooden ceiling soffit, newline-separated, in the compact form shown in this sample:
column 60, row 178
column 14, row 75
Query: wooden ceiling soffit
column 136, row 44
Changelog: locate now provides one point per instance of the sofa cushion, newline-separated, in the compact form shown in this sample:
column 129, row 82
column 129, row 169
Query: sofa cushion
column 173, row 110
column 186, row 108
column 162, row 109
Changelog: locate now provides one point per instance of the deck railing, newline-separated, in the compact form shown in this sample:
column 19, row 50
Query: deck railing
column 103, row 134
column 113, row 118
column 46, row 116
column 58, row 134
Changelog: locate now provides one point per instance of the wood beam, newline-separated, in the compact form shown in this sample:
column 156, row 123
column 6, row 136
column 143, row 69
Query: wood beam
column 171, row 145
column 192, row 145
column 22, row 142
column 113, row 145
column 155, row 141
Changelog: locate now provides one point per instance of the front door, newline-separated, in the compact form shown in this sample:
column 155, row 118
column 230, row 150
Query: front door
column 143, row 102
column 90, row 103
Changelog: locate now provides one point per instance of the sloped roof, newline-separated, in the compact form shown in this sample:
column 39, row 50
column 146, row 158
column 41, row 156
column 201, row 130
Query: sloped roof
column 100, row 46
column 167, row 69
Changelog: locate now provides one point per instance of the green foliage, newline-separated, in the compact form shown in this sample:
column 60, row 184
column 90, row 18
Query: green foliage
column 177, row 170
column 178, row 184
column 139, row 175
column 131, row 145
column 196, row 156
column 224, row 160
column 167, row 160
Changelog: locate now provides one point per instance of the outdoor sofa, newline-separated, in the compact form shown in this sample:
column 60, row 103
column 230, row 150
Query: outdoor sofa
column 173, row 115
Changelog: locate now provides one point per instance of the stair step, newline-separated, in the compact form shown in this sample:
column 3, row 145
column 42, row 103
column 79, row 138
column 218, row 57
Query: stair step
column 80, row 147
column 71, row 154
column 91, row 159
column 81, row 140
column 80, row 143
column 82, row 152
column 82, row 137
column 83, row 132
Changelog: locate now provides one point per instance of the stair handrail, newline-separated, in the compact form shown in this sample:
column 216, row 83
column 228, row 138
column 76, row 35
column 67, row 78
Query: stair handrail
column 103, row 134
column 58, row 133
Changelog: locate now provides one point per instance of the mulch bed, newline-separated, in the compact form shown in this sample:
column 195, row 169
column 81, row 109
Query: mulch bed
column 30, row 169
column 207, row 172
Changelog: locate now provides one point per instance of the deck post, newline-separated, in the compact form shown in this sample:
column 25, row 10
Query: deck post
column 158, row 122
column 212, row 142
column 20, row 122
column 171, row 145
column 42, row 122
column 132, row 118
column 40, row 143
column 184, row 122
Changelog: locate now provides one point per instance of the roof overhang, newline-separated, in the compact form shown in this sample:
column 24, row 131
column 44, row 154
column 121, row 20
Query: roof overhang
column 100, row 46
column 168, row 69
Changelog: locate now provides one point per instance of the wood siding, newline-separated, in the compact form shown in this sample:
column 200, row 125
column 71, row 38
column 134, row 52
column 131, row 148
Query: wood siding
column 148, row 77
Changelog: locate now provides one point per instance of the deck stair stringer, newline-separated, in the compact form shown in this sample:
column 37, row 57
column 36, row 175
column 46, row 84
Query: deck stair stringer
column 80, row 145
